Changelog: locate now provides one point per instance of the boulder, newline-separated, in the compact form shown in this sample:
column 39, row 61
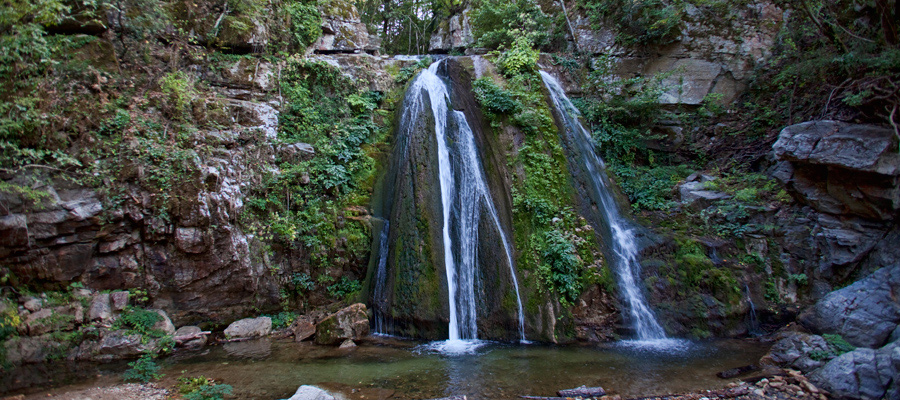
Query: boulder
column 794, row 350
column 307, row 392
column 349, row 323
column 13, row 230
column 693, row 191
column 249, row 327
column 100, row 309
column 190, row 337
column 29, row 349
column 343, row 31
column 841, row 168
column 303, row 328
column 864, row 148
column 862, row 374
column 33, row 304
column 119, row 344
column 164, row 324
column 347, row 344
column 191, row 240
column 864, row 313
column 119, row 300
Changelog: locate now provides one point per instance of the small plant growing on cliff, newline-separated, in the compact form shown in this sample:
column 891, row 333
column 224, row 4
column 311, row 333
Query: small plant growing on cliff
column 140, row 321
column 143, row 369
column 838, row 344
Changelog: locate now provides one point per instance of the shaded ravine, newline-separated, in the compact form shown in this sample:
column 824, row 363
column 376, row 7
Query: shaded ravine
column 464, row 200
column 622, row 244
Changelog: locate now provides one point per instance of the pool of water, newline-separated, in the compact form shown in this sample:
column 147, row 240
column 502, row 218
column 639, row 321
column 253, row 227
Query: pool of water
column 383, row 368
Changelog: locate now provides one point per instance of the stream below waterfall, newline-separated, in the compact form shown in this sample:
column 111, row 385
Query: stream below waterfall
column 380, row 367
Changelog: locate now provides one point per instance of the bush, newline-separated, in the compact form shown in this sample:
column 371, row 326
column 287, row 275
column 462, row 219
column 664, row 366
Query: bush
column 143, row 369
column 140, row 321
column 639, row 22
column 498, row 24
column 494, row 98
column 561, row 269
column 306, row 22
column 521, row 58
column 201, row 388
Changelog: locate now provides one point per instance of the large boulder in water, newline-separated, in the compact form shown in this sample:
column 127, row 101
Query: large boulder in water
column 862, row 374
column 349, row 323
column 864, row 313
column 249, row 327
column 307, row 392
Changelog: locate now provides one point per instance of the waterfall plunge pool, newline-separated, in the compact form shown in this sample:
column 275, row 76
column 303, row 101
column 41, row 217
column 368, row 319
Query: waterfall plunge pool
column 383, row 367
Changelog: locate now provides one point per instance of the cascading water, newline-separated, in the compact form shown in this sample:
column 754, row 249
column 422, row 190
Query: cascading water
column 623, row 245
column 465, row 198
column 379, row 296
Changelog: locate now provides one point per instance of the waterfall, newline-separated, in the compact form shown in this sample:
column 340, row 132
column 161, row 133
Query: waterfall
column 465, row 200
column 753, row 324
column 379, row 296
column 622, row 244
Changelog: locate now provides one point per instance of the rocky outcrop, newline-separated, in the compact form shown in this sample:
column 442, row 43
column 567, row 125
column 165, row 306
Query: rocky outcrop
column 864, row 313
column 862, row 374
column 349, row 323
column 841, row 168
column 795, row 350
column 452, row 34
column 343, row 31
column 249, row 327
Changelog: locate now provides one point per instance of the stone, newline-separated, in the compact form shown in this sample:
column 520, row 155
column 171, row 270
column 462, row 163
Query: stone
column 190, row 331
column 861, row 374
column 307, row 392
column 690, row 80
column 455, row 33
column 164, row 324
column 303, row 328
column 28, row 349
column 349, row 323
column 100, row 309
column 119, row 344
column 582, row 391
column 793, row 350
column 82, row 293
column 865, row 148
column 32, row 304
column 190, row 240
column 343, row 31
column 347, row 344
column 845, row 240
column 865, row 313
column 249, row 327
column 119, row 300
column 299, row 150
column 694, row 191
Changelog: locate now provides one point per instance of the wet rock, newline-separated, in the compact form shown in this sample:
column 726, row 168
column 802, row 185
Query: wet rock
column 794, row 350
column 303, row 328
column 693, row 191
column 119, row 300
column 861, row 374
column 844, row 240
column 348, row 323
column 307, row 392
column 864, row 313
column 249, row 327
column 100, row 309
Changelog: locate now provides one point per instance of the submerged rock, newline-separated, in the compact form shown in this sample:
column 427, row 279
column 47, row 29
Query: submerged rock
column 349, row 323
column 865, row 313
column 249, row 327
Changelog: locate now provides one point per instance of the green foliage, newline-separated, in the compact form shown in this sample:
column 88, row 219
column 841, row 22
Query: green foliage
column 561, row 268
column 282, row 320
column 837, row 344
column 649, row 188
column 638, row 22
column 306, row 21
column 302, row 282
column 521, row 58
column 344, row 288
column 139, row 321
column 179, row 92
column 202, row 388
column 9, row 319
column 494, row 98
column 499, row 24
column 144, row 369
column 406, row 73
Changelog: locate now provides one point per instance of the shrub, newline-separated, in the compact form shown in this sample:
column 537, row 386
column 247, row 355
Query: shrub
column 494, row 98
column 143, row 369
column 344, row 287
column 306, row 22
column 639, row 22
column 202, row 388
column 141, row 321
column 562, row 266
column 521, row 58
column 498, row 24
